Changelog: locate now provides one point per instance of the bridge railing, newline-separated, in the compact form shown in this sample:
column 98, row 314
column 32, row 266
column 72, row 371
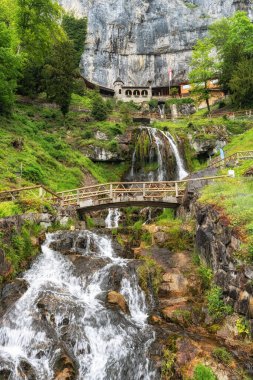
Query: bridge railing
column 240, row 155
column 120, row 191
column 36, row 191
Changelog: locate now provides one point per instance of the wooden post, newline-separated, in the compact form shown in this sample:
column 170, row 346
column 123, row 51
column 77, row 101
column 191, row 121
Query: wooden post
column 41, row 192
column 176, row 188
column 111, row 191
column 144, row 190
column 78, row 196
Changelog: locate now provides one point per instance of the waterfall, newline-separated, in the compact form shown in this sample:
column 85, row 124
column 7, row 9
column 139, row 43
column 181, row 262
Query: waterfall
column 113, row 217
column 182, row 173
column 161, row 171
column 157, row 140
column 161, row 108
column 104, row 342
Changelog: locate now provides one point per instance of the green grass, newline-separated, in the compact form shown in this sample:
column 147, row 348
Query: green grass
column 48, row 152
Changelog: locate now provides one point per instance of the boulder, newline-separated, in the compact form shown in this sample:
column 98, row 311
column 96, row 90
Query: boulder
column 11, row 293
column 64, row 368
column 118, row 299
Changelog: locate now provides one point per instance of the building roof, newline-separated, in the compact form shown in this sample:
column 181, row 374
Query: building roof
column 118, row 80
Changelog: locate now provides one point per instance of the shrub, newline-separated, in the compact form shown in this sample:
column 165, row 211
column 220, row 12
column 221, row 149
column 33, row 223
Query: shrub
column 205, row 275
column 216, row 306
column 99, row 108
column 243, row 328
column 203, row 372
column 222, row 355
column 150, row 275
column 168, row 364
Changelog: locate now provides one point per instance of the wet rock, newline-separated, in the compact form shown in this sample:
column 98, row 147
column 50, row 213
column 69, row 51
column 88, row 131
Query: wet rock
column 26, row 371
column 64, row 368
column 5, row 374
column 118, row 299
column 86, row 266
column 11, row 293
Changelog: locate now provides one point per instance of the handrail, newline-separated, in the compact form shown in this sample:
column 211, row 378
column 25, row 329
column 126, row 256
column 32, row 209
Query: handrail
column 22, row 189
column 218, row 160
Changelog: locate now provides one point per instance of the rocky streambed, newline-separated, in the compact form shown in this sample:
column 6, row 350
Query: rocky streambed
column 82, row 315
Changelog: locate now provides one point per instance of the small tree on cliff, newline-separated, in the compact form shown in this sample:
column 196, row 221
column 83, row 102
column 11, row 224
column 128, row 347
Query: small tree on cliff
column 99, row 108
column 203, row 69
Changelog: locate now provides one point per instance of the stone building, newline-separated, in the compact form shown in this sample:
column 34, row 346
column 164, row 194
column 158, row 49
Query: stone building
column 138, row 94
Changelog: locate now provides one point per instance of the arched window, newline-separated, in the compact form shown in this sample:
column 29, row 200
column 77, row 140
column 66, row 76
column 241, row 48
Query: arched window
column 128, row 93
column 144, row 93
column 136, row 93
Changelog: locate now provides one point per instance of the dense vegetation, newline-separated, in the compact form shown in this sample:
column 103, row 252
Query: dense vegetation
column 226, row 54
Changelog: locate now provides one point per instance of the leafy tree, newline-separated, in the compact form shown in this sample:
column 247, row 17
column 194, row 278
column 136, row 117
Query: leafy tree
column 233, row 40
column 9, row 70
column 203, row 69
column 76, row 30
column 241, row 83
column 99, row 108
column 59, row 74
column 38, row 26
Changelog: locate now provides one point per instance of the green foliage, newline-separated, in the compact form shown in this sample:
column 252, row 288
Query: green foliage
column 89, row 222
column 216, row 307
column 76, row 30
column 243, row 328
column 168, row 363
column 203, row 69
column 138, row 225
column 149, row 274
column 19, row 248
column 232, row 38
column 241, row 83
column 99, row 108
column 202, row 372
column 9, row 70
column 38, row 27
column 222, row 355
column 205, row 275
column 179, row 101
column 153, row 103
column 59, row 74
column 9, row 208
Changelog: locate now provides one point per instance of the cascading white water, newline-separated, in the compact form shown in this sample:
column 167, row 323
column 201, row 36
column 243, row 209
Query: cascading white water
column 158, row 139
column 105, row 343
column 182, row 173
column 113, row 217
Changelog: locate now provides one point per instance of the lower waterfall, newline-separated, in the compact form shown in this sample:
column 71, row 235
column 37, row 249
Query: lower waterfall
column 113, row 217
column 65, row 311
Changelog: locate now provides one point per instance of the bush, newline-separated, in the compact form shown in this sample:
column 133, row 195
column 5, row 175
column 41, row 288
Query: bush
column 243, row 328
column 168, row 364
column 203, row 372
column 222, row 355
column 205, row 275
column 150, row 275
column 99, row 108
column 216, row 306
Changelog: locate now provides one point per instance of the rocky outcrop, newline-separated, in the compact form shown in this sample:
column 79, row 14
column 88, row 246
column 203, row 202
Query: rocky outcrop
column 11, row 293
column 139, row 39
column 218, row 244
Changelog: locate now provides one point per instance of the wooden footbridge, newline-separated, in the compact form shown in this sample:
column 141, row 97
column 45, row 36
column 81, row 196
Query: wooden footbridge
column 167, row 194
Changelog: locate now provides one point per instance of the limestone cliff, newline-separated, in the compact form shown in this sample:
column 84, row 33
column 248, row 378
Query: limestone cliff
column 139, row 39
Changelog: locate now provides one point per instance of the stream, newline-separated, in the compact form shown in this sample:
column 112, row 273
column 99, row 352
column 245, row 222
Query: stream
column 105, row 343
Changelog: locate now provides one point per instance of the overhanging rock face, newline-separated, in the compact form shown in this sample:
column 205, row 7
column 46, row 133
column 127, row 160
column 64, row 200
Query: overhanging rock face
column 139, row 39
